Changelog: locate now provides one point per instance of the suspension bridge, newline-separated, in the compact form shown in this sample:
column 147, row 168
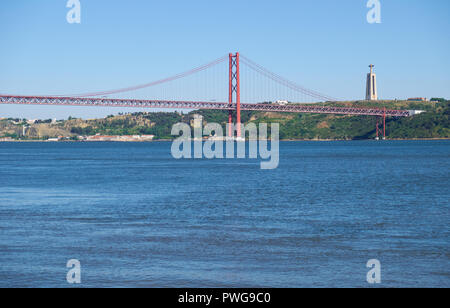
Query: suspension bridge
column 193, row 89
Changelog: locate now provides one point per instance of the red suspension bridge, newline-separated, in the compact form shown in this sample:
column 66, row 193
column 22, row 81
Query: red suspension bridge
column 269, row 88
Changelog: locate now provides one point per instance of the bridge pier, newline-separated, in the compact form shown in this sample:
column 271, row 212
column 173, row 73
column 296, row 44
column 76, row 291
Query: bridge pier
column 383, row 119
column 230, row 123
column 378, row 129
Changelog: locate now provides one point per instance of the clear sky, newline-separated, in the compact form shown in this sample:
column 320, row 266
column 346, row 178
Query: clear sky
column 325, row 45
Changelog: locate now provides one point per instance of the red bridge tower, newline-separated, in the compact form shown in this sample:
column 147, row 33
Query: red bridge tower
column 234, row 93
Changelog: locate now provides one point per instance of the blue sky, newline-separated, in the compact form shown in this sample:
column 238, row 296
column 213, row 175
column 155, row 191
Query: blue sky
column 325, row 45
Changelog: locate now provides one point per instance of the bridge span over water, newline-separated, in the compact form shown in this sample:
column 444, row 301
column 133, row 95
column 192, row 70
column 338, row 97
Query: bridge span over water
column 235, row 104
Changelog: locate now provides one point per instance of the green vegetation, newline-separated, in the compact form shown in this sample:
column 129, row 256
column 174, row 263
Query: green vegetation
column 44, row 121
column 161, row 124
column 440, row 100
column 158, row 124
column 9, row 135
column 434, row 123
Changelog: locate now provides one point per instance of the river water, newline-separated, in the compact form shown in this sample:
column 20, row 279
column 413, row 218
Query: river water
column 135, row 217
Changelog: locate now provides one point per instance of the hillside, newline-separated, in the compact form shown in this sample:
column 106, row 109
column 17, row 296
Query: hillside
column 432, row 124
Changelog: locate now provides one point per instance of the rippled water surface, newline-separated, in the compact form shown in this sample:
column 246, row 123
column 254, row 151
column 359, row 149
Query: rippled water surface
column 134, row 216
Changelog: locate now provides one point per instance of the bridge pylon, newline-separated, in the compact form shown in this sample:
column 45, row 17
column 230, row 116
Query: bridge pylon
column 234, row 95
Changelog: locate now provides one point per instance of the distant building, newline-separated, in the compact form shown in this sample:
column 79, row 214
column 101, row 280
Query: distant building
column 197, row 121
column 417, row 99
column 282, row 103
column 135, row 138
column 371, row 85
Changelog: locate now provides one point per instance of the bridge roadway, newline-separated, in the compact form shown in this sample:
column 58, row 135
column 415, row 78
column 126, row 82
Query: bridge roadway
column 136, row 103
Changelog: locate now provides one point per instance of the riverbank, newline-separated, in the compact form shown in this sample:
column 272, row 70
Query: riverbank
column 281, row 140
column 433, row 124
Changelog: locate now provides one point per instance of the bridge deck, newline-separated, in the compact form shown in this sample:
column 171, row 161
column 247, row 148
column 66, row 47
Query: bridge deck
column 135, row 103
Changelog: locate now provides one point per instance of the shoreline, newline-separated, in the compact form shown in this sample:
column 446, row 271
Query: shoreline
column 282, row 140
